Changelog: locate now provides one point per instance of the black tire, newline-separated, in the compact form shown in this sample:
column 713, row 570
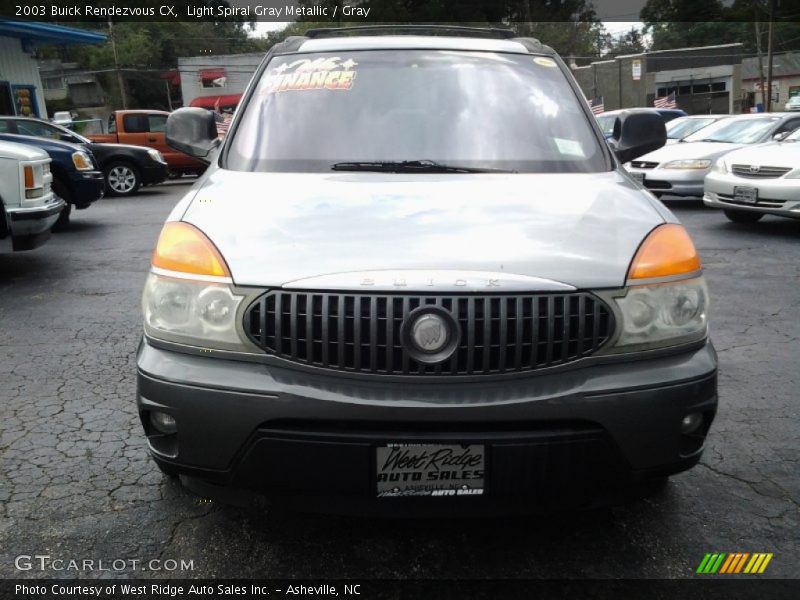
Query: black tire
column 63, row 192
column 743, row 216
column 122, row 179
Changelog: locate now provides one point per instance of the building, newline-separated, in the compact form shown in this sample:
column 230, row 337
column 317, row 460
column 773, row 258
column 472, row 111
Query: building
column 66, row 81
column 704, row 80
column 785, row 79
column 208, row 81
column 21, row 89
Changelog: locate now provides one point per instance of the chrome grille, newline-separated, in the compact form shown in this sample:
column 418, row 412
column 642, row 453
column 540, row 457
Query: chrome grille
column 643, row 164
column 761, row 173
column 361, row 332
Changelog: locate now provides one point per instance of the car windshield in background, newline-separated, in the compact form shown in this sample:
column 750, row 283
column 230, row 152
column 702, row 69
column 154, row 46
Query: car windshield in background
column 734, row 131
column 444, row 111
column 681, row 127
column 607, row 124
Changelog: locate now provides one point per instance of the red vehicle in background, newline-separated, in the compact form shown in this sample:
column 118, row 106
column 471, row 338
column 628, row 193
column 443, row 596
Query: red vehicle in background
column 146, row 128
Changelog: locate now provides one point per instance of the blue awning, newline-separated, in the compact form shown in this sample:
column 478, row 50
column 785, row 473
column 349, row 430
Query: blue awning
column 32, row 33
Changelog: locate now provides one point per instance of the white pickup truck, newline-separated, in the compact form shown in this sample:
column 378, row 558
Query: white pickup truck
column 28, row 207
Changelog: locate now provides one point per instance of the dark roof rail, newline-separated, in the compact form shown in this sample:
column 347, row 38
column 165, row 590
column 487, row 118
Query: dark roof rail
column 448, row 30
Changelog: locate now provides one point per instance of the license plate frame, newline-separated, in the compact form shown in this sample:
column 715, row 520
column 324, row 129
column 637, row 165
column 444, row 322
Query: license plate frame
column 745, row 194
column 429, row 469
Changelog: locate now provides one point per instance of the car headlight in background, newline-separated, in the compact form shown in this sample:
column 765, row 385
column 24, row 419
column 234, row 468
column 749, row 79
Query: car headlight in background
column 81, row 161
column 188, row 297
column 720, row 166
column 666, row 301
column 688, row 163
column 156, row 156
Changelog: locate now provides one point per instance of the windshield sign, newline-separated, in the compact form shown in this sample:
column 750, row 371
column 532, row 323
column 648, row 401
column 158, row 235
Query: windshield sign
column 414, row 111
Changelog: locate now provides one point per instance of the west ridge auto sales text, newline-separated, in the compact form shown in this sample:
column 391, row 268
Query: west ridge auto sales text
column 169, row 590
column 288, row 11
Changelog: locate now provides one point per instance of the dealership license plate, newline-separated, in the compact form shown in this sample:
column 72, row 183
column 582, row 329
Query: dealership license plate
column 439, row 470
column 747, row 195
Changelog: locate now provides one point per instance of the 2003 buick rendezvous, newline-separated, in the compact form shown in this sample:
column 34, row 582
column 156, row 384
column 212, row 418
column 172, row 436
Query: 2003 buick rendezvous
column 415, row 276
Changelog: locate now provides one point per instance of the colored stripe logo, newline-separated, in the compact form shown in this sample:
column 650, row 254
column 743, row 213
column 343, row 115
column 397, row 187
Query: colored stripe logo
column 734, row 562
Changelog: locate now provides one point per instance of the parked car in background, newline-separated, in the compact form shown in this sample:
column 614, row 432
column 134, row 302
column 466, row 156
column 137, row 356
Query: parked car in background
column 124, row 167
column 453, row 314
column 682, row 127
column 607, row 119
column 755, row 181
column 76, row 178
column 146, row 128
column 28, row 207
column 793, row 103
column 679, row 169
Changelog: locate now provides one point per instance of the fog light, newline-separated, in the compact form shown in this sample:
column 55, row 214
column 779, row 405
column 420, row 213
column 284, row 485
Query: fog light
column 163, row 422
column 691, row 423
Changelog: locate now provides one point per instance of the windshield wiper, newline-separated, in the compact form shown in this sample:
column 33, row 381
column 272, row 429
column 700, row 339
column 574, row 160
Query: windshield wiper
column 410, row 166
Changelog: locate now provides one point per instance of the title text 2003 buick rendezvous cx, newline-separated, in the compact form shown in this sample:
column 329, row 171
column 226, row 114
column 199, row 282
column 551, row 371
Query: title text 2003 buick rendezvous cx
column 415, row 276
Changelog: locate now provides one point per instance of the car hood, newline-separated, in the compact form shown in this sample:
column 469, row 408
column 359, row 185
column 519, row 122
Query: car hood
column 277, row 228
column 18, row 151
column 773, row 154
column 106, row 149
column 687, row 150
column 44, row 143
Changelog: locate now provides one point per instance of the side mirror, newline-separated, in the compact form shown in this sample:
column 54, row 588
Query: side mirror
column 193, row 131
column 65, row 137
column 780, row 136
column 637, row 132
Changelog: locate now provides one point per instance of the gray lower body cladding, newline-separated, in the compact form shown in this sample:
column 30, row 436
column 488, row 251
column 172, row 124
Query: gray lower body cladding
column 549, row 438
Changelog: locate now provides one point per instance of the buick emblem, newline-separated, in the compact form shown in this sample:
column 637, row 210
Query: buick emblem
column 754, row 168
column 430, row 333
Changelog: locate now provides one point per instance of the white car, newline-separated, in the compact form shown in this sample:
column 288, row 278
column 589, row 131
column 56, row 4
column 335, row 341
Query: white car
column 28, row 207
column 679, row 169
column 749, row 183
column 793, row 103
column 682, row 127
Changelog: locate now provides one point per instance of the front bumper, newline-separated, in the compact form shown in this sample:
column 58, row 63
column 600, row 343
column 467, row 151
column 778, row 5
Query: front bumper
column 675, row 182
column 779, row 196
column 31, row 226
column 286, row 432
column 87, row 186
column 154, row 173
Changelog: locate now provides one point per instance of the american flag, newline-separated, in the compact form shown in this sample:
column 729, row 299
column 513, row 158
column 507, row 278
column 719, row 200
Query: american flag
column 596, row 105
column 666, row 102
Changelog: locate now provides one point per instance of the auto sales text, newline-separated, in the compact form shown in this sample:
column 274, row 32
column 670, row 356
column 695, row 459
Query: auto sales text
column 173, row 591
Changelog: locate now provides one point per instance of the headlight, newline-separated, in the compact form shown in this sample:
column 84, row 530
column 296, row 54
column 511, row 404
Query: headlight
column 81, row 161
column 665, row 314
column 688, row 164
column 720, row 166
column 191, row 312
column 156, row 156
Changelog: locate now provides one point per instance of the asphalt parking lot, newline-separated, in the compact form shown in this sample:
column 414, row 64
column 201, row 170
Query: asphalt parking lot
column 76, row 481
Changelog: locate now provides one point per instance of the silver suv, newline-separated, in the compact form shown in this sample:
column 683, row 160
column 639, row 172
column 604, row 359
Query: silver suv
column 415, row 277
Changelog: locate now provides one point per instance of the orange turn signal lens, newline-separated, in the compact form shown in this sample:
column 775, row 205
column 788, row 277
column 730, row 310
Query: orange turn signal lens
column 184, row 248
column 667, row 250
column 28, row 177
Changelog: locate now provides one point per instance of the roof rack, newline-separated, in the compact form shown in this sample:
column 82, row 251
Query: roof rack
column 448, row 30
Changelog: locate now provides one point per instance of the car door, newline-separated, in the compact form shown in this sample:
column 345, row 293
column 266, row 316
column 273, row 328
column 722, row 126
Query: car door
column 135, row 129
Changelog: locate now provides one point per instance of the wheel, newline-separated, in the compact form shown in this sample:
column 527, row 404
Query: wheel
column 63, row 192
column 122, row 179
column 743, row 216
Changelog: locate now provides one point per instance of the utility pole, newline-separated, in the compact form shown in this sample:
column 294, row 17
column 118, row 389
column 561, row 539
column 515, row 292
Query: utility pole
column 120, row 82
column 770, row 40
column 760, row 63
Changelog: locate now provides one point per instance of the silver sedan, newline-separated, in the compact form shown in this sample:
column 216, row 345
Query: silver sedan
column 751, row 182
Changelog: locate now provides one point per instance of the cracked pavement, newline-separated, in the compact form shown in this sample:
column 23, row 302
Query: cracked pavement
column 76, row 481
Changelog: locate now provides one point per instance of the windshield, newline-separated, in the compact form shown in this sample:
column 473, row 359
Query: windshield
column 312, row 112
column 681, row 127
column 735, row 131
column 607, row 124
